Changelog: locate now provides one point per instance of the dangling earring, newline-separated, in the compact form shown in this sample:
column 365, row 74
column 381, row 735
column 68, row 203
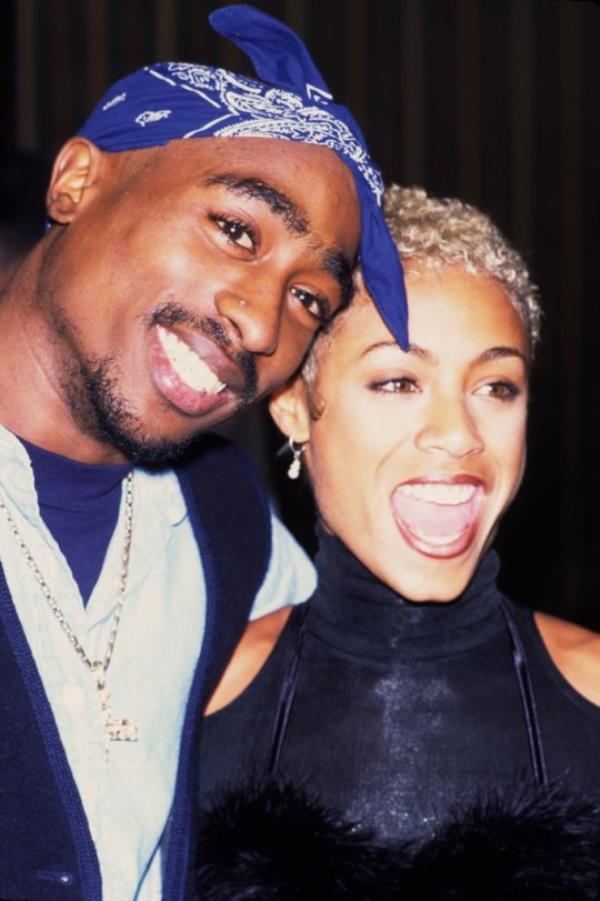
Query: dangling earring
column 296, row 464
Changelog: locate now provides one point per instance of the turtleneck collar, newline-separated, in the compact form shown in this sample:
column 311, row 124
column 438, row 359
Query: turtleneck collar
column 353, row 610
column 65, row 484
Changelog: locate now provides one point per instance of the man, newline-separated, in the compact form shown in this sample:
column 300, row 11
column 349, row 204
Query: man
column 191, row 257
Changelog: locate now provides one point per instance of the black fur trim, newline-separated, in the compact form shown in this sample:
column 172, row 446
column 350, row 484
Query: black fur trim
column 525, row 845
column 275, row 842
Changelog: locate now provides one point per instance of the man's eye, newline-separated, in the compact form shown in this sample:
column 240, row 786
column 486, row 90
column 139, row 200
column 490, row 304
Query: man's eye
column 400, row 385
column 237, row 232
column 317, row 306
column 500, row 390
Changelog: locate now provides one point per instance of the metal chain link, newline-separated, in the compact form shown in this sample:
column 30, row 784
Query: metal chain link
column 98, row 668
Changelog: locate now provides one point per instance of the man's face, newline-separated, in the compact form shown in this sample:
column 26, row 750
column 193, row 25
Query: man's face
column 191, row 281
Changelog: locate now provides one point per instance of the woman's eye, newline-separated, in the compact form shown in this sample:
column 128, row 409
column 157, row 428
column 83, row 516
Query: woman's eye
column 401, row 385
column 237, row 232
column 500, row 390
column 317, row 306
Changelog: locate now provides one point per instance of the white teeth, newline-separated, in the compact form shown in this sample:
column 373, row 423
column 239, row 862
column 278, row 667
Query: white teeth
column 188, row 365
column 439, row 492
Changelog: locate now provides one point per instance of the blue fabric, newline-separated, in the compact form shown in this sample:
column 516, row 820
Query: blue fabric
column 66, row 487
column 46, row 850
column 169, row 101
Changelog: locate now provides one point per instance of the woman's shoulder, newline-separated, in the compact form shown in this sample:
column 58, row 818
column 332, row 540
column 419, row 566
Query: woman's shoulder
column 249, row 657
column 575, row 651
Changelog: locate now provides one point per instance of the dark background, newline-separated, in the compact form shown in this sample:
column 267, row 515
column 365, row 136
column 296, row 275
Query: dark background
column 495, row 101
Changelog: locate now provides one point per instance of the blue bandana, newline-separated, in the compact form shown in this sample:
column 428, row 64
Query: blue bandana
column 166, row 101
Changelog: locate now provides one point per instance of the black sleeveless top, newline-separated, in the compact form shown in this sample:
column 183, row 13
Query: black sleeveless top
column 400, row 714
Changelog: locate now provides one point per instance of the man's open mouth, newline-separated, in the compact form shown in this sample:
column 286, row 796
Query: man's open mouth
column 192, row 379
column 438, row 518
column 191, row 369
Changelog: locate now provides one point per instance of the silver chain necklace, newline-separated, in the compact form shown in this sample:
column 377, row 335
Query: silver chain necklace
column 114, row 729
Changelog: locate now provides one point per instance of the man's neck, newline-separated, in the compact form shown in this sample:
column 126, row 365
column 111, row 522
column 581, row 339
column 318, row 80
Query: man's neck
column 32, row 403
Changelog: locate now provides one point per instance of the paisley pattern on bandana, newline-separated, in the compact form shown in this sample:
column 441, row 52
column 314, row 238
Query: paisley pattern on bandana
column 272, row 113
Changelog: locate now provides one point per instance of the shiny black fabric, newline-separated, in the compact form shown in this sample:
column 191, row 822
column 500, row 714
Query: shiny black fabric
column 403, row 713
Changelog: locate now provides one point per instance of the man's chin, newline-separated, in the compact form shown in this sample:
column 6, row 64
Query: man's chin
column 151, row 452
column 144, row 449
column 101, row 411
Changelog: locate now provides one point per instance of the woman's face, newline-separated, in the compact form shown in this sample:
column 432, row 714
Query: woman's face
column 416, row 456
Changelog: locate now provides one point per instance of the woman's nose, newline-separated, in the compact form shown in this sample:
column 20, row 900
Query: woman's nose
column 450, row 429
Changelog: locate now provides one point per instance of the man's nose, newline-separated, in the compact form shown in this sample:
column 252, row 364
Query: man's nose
column 450, row 428
column 255, row 316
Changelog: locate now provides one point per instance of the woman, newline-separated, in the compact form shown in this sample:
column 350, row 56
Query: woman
column 409, row 695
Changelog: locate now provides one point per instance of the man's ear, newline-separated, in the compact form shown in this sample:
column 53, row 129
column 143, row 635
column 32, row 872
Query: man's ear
column 74, row 172
column 289, row 410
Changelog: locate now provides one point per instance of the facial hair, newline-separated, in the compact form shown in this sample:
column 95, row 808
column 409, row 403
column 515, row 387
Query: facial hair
column 100, row 411
column 92, row 388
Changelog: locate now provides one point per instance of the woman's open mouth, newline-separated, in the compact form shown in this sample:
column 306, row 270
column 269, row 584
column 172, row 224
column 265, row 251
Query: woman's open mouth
column 438, row 518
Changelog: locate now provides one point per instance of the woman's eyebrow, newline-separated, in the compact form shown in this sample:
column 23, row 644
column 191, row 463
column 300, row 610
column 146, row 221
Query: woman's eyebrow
column 497, row 353
column 279, row 203
column 412, row 349
column 491, row 353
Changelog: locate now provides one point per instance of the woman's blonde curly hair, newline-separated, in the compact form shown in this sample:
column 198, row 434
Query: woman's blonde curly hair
column 437, row 232
column 434, row 232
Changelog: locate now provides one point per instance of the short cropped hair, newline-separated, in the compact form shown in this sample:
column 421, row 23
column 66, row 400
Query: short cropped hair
column 435, row 232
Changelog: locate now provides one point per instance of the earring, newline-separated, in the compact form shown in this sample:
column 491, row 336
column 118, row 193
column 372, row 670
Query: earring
column 296, row 464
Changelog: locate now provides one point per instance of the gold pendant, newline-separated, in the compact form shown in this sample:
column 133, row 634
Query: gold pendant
column 120, row 730
column 114, row 729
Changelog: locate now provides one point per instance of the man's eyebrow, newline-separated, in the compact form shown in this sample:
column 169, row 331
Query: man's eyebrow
column 340, row 268
column 278, row 202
